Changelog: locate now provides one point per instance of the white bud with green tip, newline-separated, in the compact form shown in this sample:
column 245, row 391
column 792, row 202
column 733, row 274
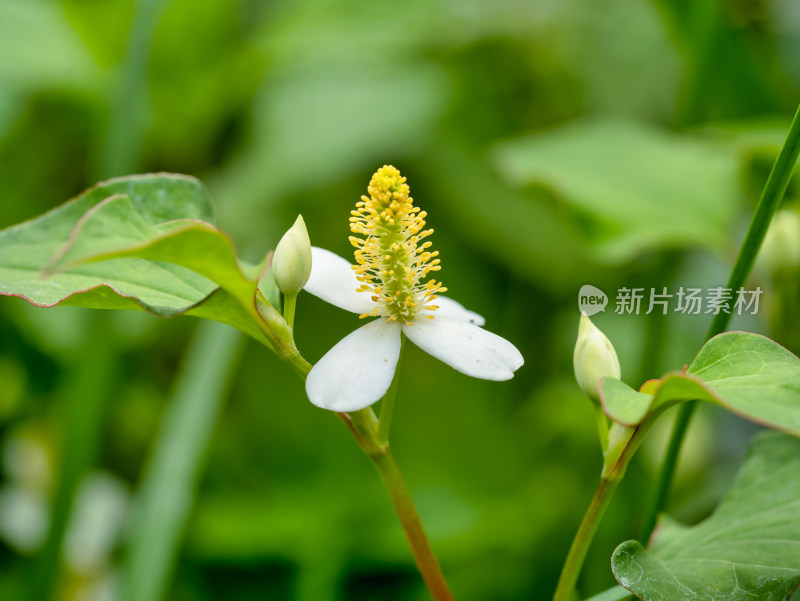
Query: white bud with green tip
column 291, row 263
column 594, row 358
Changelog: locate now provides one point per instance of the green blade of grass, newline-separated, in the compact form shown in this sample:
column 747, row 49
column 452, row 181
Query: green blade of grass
column 169, row 481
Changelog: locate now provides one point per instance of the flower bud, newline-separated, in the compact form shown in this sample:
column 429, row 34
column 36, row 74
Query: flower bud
column 594, row 358
column 291, row 263
column 780, row 250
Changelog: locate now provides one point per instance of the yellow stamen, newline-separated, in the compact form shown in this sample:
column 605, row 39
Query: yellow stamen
column 392, row 260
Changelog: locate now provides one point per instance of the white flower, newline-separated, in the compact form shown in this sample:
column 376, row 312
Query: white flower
column 387, row 283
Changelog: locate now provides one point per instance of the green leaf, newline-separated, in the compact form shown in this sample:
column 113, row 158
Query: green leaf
column 623, row 404
column 116, row 229
column 748, row 550
column 747, row 374
column 639, row 187
column 753, row 376
column 161, row 288
column 137, row 242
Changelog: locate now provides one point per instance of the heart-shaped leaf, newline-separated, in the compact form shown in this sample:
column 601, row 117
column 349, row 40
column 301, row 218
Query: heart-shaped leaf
column 747, row 374
column 748, row 550
column 138, row 242
column 116, row 229
column 161, row 288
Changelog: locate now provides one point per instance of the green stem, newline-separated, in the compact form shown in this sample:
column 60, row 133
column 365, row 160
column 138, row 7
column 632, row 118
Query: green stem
column 289, row 306
column 583, row 538
column 415, row 533
column 364, row 427
column 768, row 204
column 624, row 443
column 602, row 427
column 387, row 404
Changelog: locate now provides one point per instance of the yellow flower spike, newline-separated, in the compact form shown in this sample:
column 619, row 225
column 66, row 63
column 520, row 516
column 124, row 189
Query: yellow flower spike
column 391, row 261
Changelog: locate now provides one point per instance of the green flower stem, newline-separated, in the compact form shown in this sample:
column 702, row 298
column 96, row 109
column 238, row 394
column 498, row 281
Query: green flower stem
column 289, row 305
column 623, row 444
column 277, row 335
column 768, row 204
column 583, row 538
column 415, row 533
column 380, row 455
column 387, row 404
column 364, row 427
column 602, row 427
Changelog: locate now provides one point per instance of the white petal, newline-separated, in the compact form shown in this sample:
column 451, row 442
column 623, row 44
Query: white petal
column 358, row 370
column 451, row 309
column 466, row 347
column 333, row 280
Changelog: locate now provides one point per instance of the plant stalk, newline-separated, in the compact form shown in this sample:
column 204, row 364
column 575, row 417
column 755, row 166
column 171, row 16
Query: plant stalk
column 623, row 443
column 768, row 204
column 602, row 427
column 365, row 428
column 404, row 506
column 583, row 538
column 289, row 306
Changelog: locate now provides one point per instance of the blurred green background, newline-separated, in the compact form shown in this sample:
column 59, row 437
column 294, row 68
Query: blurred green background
column 554, row 143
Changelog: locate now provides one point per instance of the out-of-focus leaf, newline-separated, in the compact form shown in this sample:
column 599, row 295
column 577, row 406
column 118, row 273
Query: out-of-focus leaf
column 159, row 287
column 104, row 27
column 763, row 135
column 348, row 84
column 39, row 48
column 524, row 231
column 746, row 551
column 640, row 188
column 747, row 374
column 311, row 127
